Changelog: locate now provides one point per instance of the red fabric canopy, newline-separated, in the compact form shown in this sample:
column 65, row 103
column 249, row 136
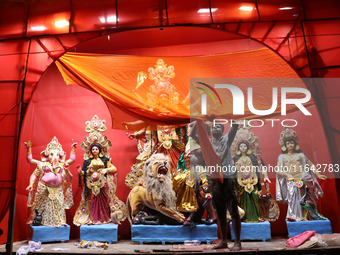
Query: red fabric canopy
column 307, row 36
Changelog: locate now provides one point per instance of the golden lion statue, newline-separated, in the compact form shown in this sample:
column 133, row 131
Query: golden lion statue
column 157, row 192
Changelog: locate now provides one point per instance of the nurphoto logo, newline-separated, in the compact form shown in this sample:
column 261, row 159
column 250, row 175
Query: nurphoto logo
column 251, row 99
column 238, row 99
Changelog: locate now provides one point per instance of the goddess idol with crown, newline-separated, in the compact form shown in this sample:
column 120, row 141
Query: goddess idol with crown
column 254, row 196
column 297, row 183
column 99, row 203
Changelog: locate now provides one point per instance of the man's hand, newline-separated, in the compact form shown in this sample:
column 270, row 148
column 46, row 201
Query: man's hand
column 238, row 122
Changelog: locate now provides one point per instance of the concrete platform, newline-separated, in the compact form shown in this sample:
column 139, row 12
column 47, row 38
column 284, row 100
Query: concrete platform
column 298, row 227
column 173, row 233
column 253, row 231
column 50, row 234
column 101, row 233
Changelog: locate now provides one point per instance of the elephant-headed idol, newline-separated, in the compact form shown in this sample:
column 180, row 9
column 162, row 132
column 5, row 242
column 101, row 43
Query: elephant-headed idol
column 50, row 188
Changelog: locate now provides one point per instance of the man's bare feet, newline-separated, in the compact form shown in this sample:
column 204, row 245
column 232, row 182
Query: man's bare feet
column 236, row 247
column 221, row 245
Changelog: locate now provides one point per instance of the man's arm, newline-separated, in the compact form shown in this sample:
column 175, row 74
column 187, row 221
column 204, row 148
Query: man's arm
column 231, row 134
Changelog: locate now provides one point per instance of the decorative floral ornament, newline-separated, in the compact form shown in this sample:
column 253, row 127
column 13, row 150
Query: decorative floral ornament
column 166, row 134
column 95, row 127
column 53, row 145
column 298, row 182
column 243, row 135
column 162, row 93
column 96, row 182
column 288, row 132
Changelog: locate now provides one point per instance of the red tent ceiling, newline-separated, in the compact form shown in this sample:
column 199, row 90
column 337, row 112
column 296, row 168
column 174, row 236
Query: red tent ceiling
column 33, row 33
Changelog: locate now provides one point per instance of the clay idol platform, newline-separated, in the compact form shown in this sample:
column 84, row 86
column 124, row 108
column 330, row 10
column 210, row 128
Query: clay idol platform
column 101, row 233
column 50, row 234
column 253, row 231
column 173, row 233
column 298, row 227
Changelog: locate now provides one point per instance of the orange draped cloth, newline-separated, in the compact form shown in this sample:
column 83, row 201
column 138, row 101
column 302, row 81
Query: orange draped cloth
column 117, row 79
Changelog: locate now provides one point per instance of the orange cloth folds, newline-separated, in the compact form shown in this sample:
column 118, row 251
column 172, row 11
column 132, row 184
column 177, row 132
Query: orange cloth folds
column 125, row 83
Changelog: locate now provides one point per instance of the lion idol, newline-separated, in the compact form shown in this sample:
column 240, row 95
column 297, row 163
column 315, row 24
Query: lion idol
column 156, row 197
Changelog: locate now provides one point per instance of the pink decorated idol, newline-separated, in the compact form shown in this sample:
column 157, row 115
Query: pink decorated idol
column 50, row 188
